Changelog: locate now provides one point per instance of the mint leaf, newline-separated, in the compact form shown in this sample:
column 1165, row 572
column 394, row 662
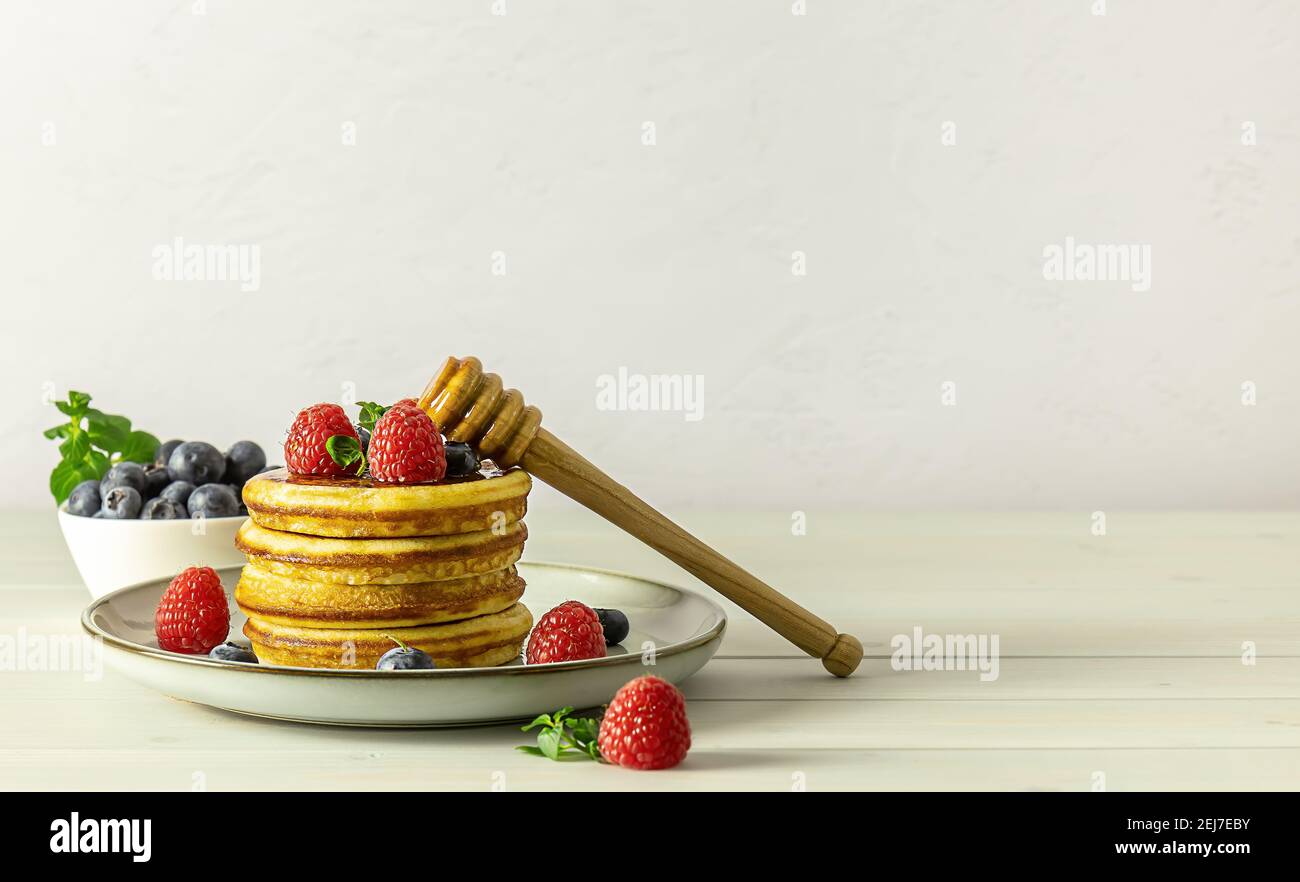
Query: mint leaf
column 98, row 462
column 75, row 448
column 543, row 720
column 108, row 432
column 346, row 451
column 65, row 477
column 90, row 441
column 564, row 738
column 370, row 414
column 76, row 405
column 139, row 447
column 548, row 742
column 584, row 729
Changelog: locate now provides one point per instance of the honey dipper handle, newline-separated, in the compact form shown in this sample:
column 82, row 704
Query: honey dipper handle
column 559, row 465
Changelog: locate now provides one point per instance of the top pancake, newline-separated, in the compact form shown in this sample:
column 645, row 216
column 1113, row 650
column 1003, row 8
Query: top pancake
column 353, row 508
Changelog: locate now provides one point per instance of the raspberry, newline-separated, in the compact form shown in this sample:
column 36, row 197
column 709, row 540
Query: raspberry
column 645, row 726
column 193, row 615
column 569, row 632
column 405, row 447
column 304, row 449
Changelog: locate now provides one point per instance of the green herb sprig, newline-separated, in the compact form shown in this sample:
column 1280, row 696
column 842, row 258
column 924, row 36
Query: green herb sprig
column 370, row 414
column 91, row 442
column 563, row 737
column 346, row 450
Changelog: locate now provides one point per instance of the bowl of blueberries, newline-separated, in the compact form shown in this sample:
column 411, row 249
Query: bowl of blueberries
column 145, row 521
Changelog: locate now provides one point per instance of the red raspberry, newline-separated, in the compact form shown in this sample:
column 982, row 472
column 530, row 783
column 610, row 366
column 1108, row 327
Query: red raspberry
column 304, row 449
column 405, row 447
column 569, row 632
column 645, row 726
column 193, row 615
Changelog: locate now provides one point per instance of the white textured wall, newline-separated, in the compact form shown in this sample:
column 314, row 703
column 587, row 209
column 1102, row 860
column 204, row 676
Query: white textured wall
column 775, row 133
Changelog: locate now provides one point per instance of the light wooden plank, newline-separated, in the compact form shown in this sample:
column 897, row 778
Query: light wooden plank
column 763, row 723
column 1120, row 654
column 486, row 768
column 1050, row 679
column 1062, row 680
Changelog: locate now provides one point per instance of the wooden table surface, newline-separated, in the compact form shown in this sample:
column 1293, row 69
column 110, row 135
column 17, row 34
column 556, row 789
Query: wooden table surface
column 1121, row 666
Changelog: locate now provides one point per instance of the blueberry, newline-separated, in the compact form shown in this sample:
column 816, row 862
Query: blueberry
column 84, row 499
column 197, row 462
column 122, row 504
column 404, row 658
column 177, row 492
column 243, row 460
column 213, row 501
column 160, row 509
column 233, row 652
column 124, row 474
column 461, row 459
column 270, row 468
column 164, row 451
column 614, row 623
column 155, row 479
column 239, row 497
column 364, row 434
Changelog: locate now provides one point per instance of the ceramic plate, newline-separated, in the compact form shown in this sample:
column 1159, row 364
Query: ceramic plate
column 683, row 629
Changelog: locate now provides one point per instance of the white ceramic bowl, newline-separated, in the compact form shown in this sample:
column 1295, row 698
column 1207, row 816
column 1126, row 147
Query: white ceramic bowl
column 113, row 554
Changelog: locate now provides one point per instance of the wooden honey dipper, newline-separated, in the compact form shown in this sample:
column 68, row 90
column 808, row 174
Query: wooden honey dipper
column 472, row 406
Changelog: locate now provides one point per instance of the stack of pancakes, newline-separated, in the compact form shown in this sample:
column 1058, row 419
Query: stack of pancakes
column 337, row 567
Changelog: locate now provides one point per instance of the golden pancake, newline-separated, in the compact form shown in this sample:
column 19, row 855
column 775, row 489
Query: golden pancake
column 482, row 641
column 398, row 561
column 282, row 600
column 360, row 508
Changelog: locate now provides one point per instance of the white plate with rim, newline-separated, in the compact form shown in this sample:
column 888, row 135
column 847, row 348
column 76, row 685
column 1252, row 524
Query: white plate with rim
column 673, row 633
